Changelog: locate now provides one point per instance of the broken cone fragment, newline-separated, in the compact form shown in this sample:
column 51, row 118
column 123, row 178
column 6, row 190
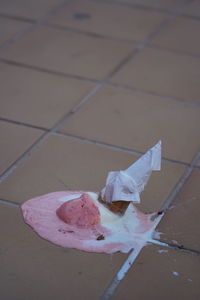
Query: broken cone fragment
column 98, row 222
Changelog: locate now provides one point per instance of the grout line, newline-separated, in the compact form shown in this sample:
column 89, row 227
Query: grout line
column 180, row 52
column 191, row 17
column 137, row 44
column 19, row 35
column 23, row 157
column 169, row 17
column 36, row 23
column 174, row 247
column 91, row 34
column 106, row 83
column 145, row 92
column 120, row 274
column 16, row 18
column 48, row 71
column 23, row 124
column 180, row 183
column 117, row 148
column 35, row 146
column 9, row 203
column 135, row 6
column 88, row 96
column 93, row 142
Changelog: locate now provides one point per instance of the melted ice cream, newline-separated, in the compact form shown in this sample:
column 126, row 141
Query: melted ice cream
column 78, row 220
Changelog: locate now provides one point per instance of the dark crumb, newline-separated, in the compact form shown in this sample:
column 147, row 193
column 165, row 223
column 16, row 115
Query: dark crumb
column 100, row 237
column 62, row 230
column 180, row 247
column 70, row 231
column 160, row 213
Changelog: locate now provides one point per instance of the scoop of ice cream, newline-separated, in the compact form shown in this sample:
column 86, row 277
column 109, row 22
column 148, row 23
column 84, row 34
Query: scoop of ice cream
column 81, row 212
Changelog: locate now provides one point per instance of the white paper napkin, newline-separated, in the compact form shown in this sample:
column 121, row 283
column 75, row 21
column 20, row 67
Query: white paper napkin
column 127, row 185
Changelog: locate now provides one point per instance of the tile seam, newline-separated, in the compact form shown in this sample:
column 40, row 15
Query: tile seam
column 119, row 86
column 93, row 142
column 36, row 145
column 106, row 83
column 174, row 247
column 117, row 148
column 25, row 125
column 183, row 179
column 48, row 71
column 9, row 203
column 35, row 24
column 146, row 92
column 135, row 6
column 136, row 43
column 91, row 34
column 165, row 22
column 8, row 16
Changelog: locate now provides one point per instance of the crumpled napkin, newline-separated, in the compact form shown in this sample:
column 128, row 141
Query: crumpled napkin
column 127, row 185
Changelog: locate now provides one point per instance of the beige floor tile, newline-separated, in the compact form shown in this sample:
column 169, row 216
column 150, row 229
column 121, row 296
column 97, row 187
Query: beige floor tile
column 193, row 9
column 163, row 72
column 15, row 140
column 9, row 28
column 63, row 164
column 27, row 8
column 32, row 268
column 187, row 31
column 181, row 223
column 163, row 4
column 161, row 275
column 68, row 52
column 108, row 19
column 137, row 121
column 38, row 98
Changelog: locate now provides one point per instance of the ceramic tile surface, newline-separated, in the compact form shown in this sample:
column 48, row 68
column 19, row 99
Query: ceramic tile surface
column 137, row 121
column 193, row 9
column 27, row 8
column 14, row 141
column 9, row 28
column 187, row 31
column 68, row 52
column 163, row 72
column 107, row 19
column 38, row 98
column 161, row 273
column 159, row 4
column 181, row 223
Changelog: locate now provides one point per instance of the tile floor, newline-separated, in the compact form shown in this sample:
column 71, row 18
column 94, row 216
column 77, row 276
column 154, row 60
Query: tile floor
column 87, row 87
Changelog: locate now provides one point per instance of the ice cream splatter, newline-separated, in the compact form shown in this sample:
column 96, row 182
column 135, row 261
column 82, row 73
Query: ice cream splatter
column 55, row 217
column 162, row 251
column 175, row 273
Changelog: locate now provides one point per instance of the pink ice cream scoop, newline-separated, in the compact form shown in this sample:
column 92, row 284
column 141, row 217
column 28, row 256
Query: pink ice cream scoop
column 81, row 212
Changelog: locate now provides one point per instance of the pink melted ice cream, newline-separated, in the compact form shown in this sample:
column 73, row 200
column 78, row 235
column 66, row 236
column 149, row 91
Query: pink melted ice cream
column 75, row 219
column 81, row 212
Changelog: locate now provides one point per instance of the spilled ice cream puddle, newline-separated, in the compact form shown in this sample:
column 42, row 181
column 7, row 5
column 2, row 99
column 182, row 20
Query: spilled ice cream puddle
column 107, row 232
